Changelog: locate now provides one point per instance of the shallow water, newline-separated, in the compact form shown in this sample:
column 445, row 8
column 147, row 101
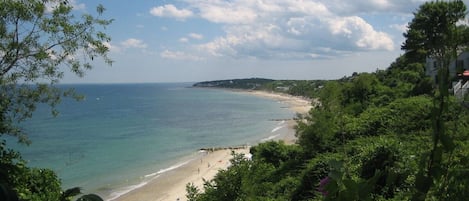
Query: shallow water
column 122, row 135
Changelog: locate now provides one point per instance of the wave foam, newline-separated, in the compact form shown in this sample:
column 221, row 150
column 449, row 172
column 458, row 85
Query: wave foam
column 277, row 128
column 147, row 178
column 173, row 167
column 270, row 138
column 116, row 194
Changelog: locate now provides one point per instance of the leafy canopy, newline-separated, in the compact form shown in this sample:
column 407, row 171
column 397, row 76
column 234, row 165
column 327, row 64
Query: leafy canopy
column 388, row 135
column 39, row 40
column 434, row 29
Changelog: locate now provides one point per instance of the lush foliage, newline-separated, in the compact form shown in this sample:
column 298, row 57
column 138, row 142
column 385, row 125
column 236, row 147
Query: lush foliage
column 393, row 134
column 39, row 40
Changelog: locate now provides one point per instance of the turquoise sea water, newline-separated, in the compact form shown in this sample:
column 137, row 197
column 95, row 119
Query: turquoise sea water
column 123, row 133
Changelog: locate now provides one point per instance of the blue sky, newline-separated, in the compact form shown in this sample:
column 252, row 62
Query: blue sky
column 198, row 40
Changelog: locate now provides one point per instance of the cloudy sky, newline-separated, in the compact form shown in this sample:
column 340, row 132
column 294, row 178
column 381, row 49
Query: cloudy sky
column 197, row 40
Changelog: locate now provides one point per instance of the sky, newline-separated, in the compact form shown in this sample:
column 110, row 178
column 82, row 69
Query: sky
column 199, row 40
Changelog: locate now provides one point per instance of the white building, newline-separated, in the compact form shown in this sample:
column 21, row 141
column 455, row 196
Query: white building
column 458, row 66
column 457, row 71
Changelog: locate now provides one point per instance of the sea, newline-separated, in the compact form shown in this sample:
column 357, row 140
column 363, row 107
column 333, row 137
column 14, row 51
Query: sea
column 120, row 136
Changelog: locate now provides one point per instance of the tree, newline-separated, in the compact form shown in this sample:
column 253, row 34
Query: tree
column 435, row 33
column 227, row 184
column 39, row 40
column 360, row 91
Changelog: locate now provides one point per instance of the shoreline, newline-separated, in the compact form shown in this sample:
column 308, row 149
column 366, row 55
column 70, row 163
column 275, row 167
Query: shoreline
column 170, row 183
column 296, row 104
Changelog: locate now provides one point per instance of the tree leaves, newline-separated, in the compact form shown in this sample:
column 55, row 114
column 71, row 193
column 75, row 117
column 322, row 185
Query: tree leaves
column 37, row 39
column 35, row 44
column 90, row 197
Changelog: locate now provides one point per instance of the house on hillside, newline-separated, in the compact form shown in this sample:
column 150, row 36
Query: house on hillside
column 458, row 71
column 461, row 88
column 456, row 67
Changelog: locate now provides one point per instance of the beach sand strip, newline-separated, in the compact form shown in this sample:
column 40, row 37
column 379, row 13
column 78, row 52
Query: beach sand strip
column 171, row 186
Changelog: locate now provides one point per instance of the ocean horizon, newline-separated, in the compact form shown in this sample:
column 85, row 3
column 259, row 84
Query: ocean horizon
column 123, row 135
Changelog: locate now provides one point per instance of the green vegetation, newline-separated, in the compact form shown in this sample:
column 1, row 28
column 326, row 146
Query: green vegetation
column 389, row 135
column 38, row 39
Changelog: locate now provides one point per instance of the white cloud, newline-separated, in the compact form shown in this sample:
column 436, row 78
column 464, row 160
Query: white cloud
column 111, row 47
column 307, row 8
column 381, row 3
column 196, row 36
column 170, row 10
column 291, row 29
column 191, row 36
column 362, row 34
column 399, row 27
column 77, row 6
column 235, row 12
column 178, row 55
column 183, row 40
column 347, row 8
column 50, row 52
column 133, row 43
column 50, row 6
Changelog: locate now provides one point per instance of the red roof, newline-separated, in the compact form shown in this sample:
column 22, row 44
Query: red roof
column 465, row 73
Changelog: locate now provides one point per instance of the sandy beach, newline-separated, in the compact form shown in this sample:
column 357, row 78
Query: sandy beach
column 171, row 185
column 297, row 104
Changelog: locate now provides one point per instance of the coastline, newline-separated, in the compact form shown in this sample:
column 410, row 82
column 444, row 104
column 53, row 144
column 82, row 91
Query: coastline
column 171, row 183
column 297, row 104
column 294, row 103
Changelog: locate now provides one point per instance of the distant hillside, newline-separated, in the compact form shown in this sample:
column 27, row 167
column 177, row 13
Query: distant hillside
column 306, row 88
column 251, row 83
